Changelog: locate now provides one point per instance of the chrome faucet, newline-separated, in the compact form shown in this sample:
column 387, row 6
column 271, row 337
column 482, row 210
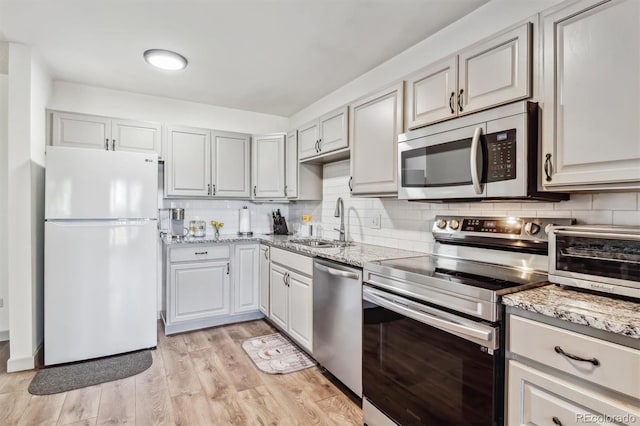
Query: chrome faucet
column 340, row 213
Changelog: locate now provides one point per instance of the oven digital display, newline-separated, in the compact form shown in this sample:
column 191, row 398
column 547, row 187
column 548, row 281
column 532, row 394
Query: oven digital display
column 511, row 227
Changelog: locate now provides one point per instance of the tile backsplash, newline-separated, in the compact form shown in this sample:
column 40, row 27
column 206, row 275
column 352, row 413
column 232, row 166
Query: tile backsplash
column 407, row 225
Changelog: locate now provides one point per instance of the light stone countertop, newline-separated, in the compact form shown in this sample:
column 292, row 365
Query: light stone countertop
column 599, row 312
column 355, row 254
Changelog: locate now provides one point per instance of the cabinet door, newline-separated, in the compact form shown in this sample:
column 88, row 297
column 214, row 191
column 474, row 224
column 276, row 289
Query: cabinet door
column 308, row 140
column 496, row 71
column 431, row 93
column 81, row 131
column 246, row 272
column 278, row 291
column 136, row 136
column 231, row 159
column 334, row 130
column 268, row 166
column 375, row 124
column 199, row 290
column 188, row 162
column 265, row 265
column 301, row 309
column 591, row 135
column 538, row 398
column 291, row 173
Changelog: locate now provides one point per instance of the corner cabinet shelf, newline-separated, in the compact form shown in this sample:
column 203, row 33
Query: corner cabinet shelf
column 209, row 285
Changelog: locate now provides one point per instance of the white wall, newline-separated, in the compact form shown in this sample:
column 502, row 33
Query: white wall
column 4, row 276
column 114, row 103
column 483, row 22
column 29, row 88
column 407, row 225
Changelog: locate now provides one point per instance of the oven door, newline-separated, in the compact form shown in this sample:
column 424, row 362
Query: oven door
column 424, row 366
column 444, row 165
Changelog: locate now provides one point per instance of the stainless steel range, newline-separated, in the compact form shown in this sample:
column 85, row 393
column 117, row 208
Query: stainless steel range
column 432, row 334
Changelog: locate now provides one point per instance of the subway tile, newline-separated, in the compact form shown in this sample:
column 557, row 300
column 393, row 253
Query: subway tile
column 627, row 218
column 593, row 217
column 576, row 202
column 615, row 201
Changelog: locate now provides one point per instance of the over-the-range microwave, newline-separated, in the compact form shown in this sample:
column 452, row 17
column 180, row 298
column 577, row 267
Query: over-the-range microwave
column 489, row 155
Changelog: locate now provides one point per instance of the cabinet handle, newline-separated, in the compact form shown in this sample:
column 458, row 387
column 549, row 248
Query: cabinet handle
column 288, row 281
column 593, row 361
column 201, row 252
column 254, row 190
column 285, row 190
column 228, row 268
column 113, row 144
column 350, row 185
column 316, row 146
column 547, row 167
column 208, row 189
column 284, row 278
column 106, row 144
column 320, row 145
column 453, row 95
column 460, row 100
column 214, row 189
column 266, row 254
column 556, row 421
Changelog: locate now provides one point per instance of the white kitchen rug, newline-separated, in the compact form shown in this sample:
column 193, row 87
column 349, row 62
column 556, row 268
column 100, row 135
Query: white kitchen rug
column 274, row 354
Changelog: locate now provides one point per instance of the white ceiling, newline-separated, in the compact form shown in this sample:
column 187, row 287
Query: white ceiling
column 271, row 56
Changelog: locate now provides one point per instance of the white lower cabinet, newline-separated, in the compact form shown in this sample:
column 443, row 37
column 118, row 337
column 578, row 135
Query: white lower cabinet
column 291, row 291
column 264, row 279
column 557, row 376
column 209, row 285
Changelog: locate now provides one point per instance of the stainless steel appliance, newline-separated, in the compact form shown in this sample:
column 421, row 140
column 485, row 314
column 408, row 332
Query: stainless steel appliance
column 600, row 258
column 490, row 155
column 337, row 321
column 432, row 335
column 177, row 223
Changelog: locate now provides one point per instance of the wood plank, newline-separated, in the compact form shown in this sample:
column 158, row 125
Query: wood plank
column 341, row 410
column 117, row 404
column 313, row 384
column 180, row 372
column 86, row 422
column 43, row 410
column 228, row 411
column 203, row 339
column 153, row 402
column 80, row 404
column 16, row 382
column 239, row 367
column 262, row 408
column 238, row 332
column 214, row 379
column 4, row 356
column 13, row 406
column 300, row 407
column 258, row 328
column 192, row 410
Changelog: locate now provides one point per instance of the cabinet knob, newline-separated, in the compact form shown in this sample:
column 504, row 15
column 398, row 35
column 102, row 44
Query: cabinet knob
column 556, row 421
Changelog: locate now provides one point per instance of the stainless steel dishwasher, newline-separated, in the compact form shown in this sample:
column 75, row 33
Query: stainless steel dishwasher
column 337, row 321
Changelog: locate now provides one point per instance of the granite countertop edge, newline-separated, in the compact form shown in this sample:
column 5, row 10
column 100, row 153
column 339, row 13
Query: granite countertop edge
column 356, row 254
column 596, row 311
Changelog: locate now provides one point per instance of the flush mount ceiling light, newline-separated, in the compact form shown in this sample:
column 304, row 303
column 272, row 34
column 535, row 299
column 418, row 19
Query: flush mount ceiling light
column 165, row 59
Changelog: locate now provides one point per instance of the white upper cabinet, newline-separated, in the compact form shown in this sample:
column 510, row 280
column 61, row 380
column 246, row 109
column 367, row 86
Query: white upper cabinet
column 90, row 131
column 291, row 168
column 231, row 165
column 431, row 93
column 376, row 122
column 308, row 137
column 326, row 135
column 591, row 109
column 136, row 136
column 490, row 73
column 268, row 157
column 495, row 71
column 188, row 162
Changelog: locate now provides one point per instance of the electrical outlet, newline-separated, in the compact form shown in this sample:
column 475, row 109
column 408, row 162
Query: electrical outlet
column 374, row 221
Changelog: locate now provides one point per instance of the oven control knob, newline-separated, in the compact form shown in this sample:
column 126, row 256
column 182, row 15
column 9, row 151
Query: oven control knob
column 454, row 224
column 547, row 229
column 441, row 223
column 531, row 228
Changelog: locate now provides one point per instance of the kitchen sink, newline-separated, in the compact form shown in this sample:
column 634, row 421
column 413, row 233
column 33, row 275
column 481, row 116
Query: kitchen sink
column 322, row 243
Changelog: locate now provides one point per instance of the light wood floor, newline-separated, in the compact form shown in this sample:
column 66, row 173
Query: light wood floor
column 197, row 378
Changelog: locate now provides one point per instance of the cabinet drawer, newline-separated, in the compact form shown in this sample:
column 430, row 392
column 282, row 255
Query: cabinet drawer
column 538, row 398
column 183, row 254
column 298, row 262
column 618, row 366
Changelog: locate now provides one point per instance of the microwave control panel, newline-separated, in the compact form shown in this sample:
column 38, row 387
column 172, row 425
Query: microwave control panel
column 501, row 155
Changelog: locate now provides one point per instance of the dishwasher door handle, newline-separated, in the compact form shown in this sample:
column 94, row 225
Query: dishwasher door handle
column 338, row 272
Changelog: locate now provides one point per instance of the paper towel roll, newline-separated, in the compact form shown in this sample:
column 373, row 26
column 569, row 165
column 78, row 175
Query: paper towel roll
column 245, row 220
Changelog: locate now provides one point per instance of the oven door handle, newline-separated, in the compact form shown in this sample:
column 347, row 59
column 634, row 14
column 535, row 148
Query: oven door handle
column 473, row 160
column 587, row 234
column 483, row 335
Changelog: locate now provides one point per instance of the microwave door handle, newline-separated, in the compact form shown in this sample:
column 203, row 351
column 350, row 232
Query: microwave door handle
column 473, row 161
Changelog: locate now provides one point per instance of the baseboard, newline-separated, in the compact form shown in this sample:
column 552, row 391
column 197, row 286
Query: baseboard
column 27, row 362
column 4, row 335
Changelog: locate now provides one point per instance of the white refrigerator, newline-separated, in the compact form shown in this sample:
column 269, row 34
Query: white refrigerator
column 100, row 253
